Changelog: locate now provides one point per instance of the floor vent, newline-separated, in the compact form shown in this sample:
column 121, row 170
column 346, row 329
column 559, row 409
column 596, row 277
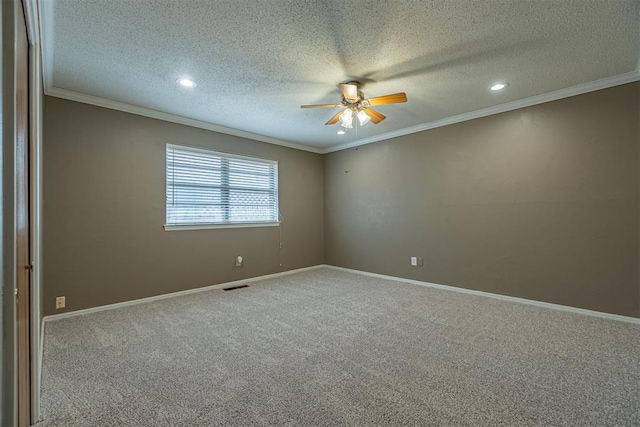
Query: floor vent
column 233, row 288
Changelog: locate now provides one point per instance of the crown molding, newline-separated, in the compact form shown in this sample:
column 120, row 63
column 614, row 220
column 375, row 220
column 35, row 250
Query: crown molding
column 502, row 108
column 41, row 23
column 173, row 118
column 46, row 15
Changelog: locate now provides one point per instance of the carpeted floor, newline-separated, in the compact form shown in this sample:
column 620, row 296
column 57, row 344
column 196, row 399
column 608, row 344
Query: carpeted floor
column 327, row 347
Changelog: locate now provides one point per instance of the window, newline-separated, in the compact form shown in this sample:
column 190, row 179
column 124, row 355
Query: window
column 209, row 189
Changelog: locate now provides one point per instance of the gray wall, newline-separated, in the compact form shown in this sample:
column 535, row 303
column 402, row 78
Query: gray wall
column 104, row 195
column 539, row 203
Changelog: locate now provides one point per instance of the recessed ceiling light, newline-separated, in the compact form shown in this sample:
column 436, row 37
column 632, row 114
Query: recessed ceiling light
column 186, row 82
column 499, row 86
column 341, row 132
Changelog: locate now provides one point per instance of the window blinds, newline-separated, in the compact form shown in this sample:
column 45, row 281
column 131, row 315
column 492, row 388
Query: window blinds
column 206, row 187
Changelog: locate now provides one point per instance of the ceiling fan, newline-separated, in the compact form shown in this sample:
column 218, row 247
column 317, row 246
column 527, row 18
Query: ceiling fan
column 359, row 106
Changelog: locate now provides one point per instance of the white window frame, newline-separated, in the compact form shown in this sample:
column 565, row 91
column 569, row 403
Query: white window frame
column 204, row 226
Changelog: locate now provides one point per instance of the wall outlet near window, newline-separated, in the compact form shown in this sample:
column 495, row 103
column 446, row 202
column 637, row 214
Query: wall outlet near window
column 60, row 302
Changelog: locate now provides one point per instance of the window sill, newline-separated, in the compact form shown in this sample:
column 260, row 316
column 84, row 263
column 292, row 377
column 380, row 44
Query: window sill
column 176, row 227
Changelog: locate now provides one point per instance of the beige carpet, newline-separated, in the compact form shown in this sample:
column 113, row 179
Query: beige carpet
column 332, row 348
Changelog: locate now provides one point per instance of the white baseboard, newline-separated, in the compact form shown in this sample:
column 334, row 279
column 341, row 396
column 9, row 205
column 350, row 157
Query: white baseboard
column 68, row 314
column 548, row 305
column 552, row 306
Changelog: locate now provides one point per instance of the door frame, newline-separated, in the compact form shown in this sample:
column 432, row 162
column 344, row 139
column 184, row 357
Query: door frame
column 35, row 221
column 21, row 215
column 36, row 94
column 10, row 12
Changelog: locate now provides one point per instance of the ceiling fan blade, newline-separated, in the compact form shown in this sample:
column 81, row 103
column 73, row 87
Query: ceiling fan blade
column 349, row 91
column 375, row 116
column 334, row 119
column 395, row 98
column 320, row 106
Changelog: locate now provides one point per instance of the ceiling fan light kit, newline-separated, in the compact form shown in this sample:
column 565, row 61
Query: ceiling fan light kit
column 359, row 106
column 363, row 117
column 346, row 118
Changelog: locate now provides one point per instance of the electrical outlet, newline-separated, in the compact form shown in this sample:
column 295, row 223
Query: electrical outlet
column 60, row 302
column 414, row 261
column 420, row 262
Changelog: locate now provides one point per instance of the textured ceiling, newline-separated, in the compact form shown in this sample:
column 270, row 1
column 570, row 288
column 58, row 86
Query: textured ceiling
column 256, row 62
